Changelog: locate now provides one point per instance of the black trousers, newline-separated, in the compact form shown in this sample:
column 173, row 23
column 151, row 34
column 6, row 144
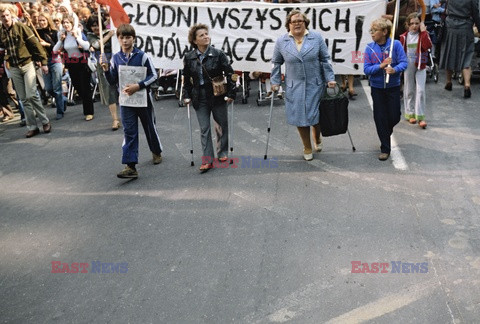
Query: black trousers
column 80, row 75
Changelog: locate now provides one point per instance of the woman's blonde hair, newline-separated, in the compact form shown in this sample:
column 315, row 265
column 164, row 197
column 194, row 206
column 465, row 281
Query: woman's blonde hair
column 50, row 23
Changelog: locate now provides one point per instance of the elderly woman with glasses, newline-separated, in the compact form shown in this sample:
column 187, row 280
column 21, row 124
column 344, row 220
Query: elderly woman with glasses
column 307, row 72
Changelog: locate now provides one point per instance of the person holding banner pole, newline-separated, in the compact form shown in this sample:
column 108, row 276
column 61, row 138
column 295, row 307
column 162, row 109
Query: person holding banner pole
column 201, row 65
column 307, row 72
column 386, row 95
column 130, row 56
column 402, row 9
column 101, row 45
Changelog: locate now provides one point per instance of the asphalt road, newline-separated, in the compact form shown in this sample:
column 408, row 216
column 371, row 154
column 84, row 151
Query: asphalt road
column 245, row 245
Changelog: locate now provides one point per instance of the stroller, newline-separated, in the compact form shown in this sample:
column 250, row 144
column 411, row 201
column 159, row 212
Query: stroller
column 432, row 66
column 167, row 84
column 264, row 92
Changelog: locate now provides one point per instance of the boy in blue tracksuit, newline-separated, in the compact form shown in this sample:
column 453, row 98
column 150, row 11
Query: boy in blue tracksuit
column 132, row 56
column 386, row 96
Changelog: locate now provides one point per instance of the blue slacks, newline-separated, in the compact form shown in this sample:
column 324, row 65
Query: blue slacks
column 130, row 116
column 386, row 114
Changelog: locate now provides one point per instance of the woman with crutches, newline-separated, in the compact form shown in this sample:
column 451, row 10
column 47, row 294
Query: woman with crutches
column 307, row 70
column 201, row 65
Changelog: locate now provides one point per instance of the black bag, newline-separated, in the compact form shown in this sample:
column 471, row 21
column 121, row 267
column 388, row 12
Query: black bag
column 334, row 113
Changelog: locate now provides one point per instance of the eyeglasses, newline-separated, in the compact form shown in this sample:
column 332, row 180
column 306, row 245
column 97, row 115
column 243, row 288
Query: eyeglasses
column 373, row 31
column 297, row 22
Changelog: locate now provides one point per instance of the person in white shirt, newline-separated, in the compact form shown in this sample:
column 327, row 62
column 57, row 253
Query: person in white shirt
column 75, row 45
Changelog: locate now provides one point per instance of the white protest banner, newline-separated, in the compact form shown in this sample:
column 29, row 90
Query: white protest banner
column 247, row 31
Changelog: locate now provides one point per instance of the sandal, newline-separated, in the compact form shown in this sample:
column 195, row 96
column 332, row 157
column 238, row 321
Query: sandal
column 422, row 124
column 412, row 121
column 115, row 125
column 205, row 167
column 223, row 159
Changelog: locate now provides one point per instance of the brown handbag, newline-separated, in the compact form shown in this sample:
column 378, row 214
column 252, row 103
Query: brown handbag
column 218, row 83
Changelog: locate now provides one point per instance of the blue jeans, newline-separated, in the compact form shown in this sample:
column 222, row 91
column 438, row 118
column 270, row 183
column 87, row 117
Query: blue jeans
column 53, row 84
column 20, row 108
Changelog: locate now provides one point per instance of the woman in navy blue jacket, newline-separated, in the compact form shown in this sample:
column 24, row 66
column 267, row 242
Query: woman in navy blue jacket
column 386, row 96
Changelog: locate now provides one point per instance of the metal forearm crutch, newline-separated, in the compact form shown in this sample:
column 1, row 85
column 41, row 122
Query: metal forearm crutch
column 187, row 101
column 269, row 124
column 351, row 142
column 230, row 129
column 190, row 129
column 180, row 97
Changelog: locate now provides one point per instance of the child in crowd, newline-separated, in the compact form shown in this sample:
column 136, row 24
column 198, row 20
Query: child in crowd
column 265, row 79
column 416, row 43
column 386, row 96
column 166, row 81
column 132, row 56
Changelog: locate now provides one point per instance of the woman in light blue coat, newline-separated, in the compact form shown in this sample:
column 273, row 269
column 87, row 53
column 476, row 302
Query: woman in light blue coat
column 307, row 71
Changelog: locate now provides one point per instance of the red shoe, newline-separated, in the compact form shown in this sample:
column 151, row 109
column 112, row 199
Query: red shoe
column 205, row 167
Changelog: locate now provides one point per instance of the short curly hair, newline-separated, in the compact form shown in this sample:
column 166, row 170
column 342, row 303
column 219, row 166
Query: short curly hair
column 293, row 13
column 192, row 33
column 382, row 24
